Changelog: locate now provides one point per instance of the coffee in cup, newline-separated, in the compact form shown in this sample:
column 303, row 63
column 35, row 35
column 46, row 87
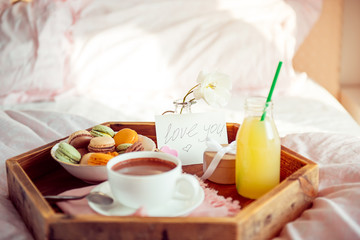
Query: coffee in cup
column 149, row 179
column 143, row 166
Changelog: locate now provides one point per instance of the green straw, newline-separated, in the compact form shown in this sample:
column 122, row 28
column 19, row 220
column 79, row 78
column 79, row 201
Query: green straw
column 271, row 90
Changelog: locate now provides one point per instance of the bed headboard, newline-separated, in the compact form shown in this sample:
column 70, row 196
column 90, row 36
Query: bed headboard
column 320, row 54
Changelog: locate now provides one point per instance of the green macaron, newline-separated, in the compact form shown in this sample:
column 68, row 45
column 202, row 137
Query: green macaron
column 67, row 153
column 122, row 147
column 101, row 131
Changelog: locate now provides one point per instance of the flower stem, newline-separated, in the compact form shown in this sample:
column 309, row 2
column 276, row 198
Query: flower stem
column 190, row 91
column 187, row 94
column 183, row 106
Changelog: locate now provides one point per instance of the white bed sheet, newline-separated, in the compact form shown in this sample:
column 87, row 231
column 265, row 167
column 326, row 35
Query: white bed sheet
column 307, row 107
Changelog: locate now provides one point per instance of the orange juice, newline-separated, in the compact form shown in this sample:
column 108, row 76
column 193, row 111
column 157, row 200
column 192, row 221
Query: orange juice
column 257, row 156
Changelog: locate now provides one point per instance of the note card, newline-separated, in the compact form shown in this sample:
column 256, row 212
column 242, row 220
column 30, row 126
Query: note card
column 187, row 133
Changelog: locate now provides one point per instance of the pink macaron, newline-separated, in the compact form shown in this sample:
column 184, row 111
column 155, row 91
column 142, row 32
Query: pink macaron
column 80, row 139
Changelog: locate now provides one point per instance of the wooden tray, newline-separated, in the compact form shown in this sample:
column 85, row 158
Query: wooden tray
column 34, row 174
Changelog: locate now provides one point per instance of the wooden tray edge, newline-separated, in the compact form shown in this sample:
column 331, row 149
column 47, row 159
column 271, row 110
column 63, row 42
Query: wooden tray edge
column 294, row 194
column 32, row 207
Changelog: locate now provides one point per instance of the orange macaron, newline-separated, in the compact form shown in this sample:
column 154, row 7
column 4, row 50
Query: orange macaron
column 126, row 135
column 96, row 159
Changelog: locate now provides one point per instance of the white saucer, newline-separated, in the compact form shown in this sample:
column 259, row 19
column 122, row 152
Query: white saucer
column 173, row 208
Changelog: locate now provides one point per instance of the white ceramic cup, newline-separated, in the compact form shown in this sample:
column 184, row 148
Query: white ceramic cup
column 151, row 191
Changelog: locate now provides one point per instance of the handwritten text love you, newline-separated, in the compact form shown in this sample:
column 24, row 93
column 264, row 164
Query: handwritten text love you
column 193, row 132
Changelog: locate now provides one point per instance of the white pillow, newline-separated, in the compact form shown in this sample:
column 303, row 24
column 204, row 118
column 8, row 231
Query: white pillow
column 142, row 46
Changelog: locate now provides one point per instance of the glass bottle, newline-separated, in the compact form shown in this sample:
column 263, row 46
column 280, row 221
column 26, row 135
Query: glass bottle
column 258, row 150
column 183, row 107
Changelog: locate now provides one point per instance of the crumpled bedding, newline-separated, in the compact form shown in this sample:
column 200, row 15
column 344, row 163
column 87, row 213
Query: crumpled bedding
column 21, row 131
column 335, row 213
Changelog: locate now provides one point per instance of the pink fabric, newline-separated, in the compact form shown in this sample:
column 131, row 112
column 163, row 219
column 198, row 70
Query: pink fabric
column 34, row 50
column 335, row 213
column 214, row 205
column 307, row 13
column 76, row 206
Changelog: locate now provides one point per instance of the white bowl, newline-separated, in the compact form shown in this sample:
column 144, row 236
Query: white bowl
column 95, row 174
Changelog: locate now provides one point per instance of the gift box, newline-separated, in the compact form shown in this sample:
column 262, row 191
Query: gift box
column 224, row 173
